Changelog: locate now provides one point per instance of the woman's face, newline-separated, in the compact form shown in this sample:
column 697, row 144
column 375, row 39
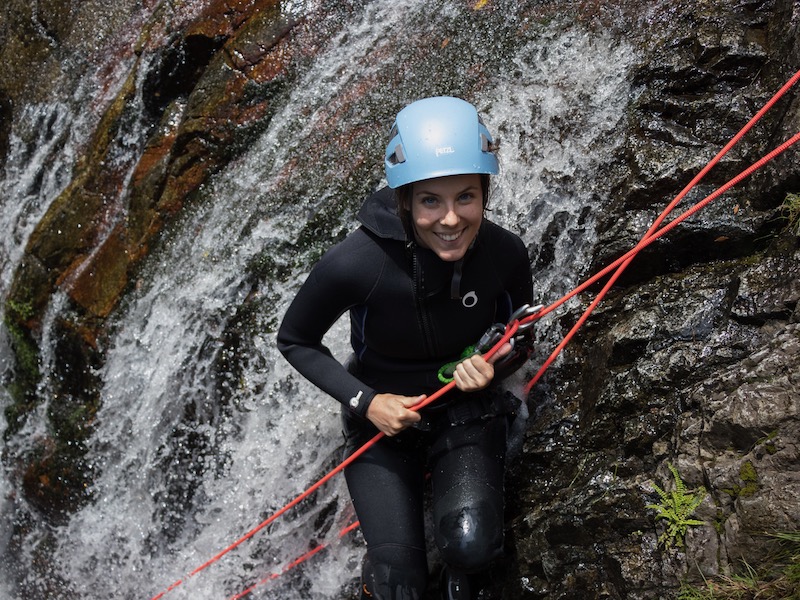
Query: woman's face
column 446, row 213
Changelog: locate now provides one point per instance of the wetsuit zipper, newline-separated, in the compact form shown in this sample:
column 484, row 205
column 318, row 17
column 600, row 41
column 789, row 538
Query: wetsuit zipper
column 423, row 317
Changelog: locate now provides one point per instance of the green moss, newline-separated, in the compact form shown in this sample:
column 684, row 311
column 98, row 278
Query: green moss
column 26, row 352
column 768, row 442
column 790, row 210
column 747, row 472
column 748, row 475
column 26, row 368
column 749, row 482
column 22, row 310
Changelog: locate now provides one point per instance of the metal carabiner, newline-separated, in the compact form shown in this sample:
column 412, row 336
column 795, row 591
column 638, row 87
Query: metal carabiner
column 498, row 330
column 523, row 312
column 490, row 338
column 523, row 333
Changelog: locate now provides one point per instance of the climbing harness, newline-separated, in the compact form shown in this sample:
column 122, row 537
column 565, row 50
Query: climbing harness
column 523, row 322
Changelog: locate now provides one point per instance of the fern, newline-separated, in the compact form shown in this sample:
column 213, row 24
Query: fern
column 676, row 509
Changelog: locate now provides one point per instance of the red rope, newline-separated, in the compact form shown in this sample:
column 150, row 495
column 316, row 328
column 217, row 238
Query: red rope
column 510, row 331
column 622, row 262
column 778, row 95
column 277, row 514
column 299, row 560
column 654, row 233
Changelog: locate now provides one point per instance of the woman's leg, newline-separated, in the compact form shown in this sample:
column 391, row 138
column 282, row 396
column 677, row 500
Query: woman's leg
column 386, row 485
column 467, row 471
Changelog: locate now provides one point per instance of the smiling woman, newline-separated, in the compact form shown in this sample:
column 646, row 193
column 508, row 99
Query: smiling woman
column 423, row 277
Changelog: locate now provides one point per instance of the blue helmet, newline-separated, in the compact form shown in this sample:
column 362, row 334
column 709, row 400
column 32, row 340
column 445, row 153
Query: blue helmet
column 436, row 137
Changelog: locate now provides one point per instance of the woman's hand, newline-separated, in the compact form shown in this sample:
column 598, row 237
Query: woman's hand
column 390, row 412
column 475, row 373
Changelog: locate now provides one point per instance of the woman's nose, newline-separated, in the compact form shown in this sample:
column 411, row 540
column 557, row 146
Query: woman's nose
column 450, row 217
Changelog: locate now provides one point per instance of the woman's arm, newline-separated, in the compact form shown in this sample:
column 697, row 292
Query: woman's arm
column 341, row 279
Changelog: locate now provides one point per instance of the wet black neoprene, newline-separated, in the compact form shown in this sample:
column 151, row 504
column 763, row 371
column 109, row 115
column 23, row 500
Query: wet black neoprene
column 411, row 313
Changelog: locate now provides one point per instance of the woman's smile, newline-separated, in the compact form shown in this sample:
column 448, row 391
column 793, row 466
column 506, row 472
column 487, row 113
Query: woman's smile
column 451, row 237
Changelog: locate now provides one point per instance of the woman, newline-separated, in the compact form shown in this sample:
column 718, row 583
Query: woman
column 423, row 278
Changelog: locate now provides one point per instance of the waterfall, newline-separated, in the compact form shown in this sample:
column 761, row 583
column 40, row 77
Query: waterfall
column 187, row 457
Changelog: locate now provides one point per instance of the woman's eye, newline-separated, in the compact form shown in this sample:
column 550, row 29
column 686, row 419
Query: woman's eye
column 429, row 201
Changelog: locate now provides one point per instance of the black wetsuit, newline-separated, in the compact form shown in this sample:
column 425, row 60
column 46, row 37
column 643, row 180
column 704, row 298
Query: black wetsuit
column 410, row 314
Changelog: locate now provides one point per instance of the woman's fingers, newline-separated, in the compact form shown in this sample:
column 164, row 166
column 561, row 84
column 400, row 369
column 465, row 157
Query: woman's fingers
column 501, row 352
column 391, row 413
column 473, row 374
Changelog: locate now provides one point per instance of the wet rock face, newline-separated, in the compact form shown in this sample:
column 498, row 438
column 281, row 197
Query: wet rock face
column 695, row 369
column 692, row 359
column 199, row 110
column 697, row 91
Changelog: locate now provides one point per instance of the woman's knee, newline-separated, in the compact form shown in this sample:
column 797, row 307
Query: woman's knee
column 395, row 572
column 470, row 536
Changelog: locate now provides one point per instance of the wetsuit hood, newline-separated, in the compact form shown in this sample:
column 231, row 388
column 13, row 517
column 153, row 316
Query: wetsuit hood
column 379, row 215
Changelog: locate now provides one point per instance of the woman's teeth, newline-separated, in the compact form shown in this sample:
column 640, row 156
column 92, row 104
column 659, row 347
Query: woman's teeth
column 449, row 237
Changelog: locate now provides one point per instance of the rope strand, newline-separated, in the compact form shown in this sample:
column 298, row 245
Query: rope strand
column 734, row 140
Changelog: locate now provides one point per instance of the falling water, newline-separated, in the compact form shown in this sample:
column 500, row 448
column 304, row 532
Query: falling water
column 188, row 457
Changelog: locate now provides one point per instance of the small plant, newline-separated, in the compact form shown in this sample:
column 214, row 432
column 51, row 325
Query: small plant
column 791, row 210
column 676, row 509
column 790, row 555
column 778, row 578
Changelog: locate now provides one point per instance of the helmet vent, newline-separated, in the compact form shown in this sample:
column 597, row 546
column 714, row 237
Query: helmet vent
column 397, row 156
